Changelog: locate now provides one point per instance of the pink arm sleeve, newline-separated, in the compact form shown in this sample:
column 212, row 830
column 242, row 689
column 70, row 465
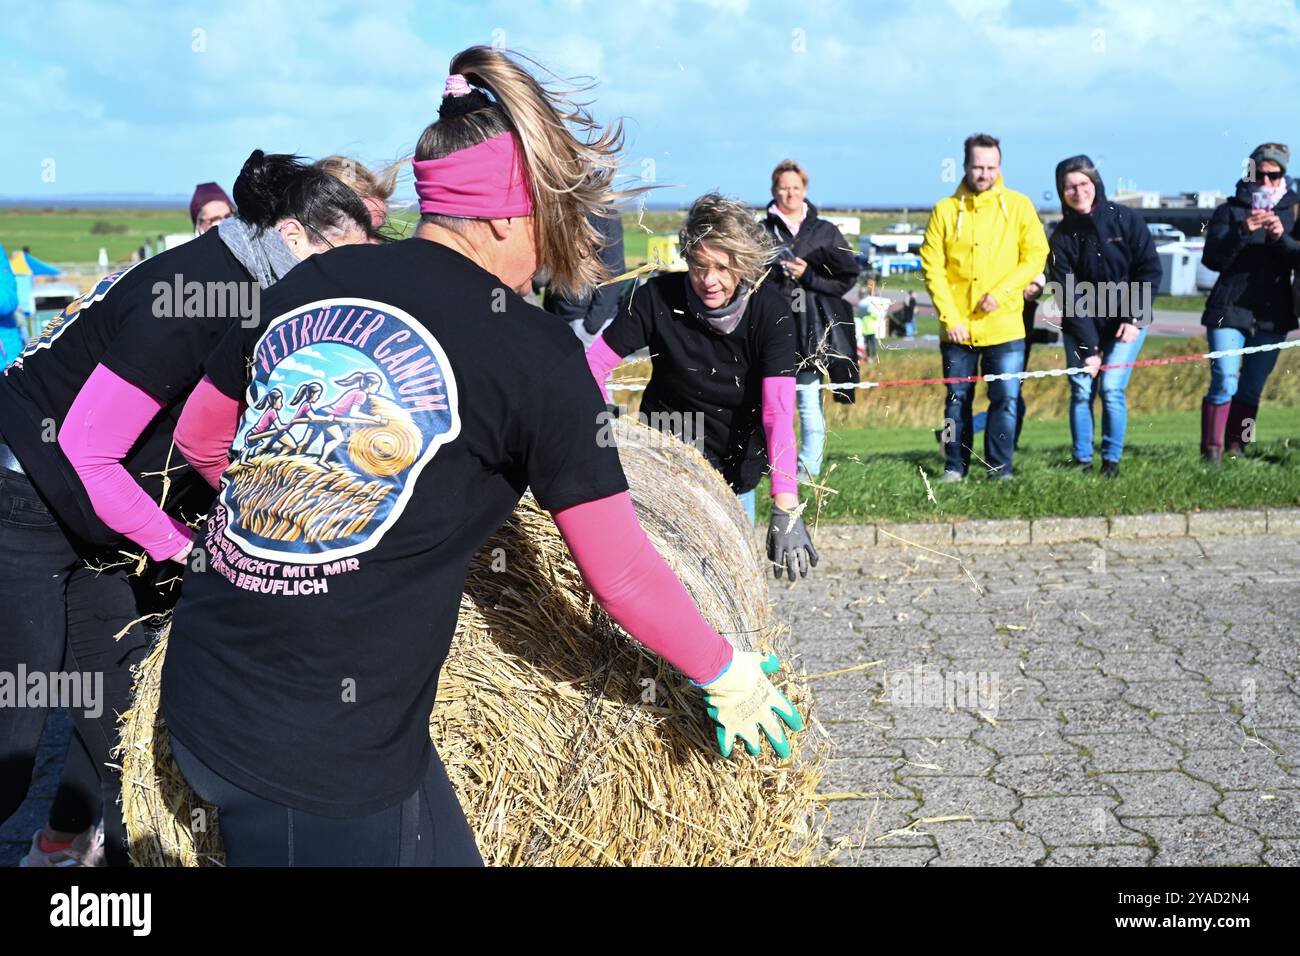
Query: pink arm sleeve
column 207, row 429
column 602, row 360
column 105, row 420
column 635, row 585
column 778, row 426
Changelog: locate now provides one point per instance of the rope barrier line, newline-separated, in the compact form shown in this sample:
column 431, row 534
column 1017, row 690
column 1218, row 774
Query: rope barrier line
column 1044, row 373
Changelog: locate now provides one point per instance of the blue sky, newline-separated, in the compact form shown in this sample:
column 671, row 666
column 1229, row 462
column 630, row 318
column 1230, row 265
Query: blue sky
column 873, row 97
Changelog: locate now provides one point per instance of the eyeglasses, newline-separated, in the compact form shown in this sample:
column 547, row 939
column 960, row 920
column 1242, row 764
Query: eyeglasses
column 1075, row 187
column 1272, row 176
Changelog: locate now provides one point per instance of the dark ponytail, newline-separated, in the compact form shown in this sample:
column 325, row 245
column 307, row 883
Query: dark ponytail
column 278, row 186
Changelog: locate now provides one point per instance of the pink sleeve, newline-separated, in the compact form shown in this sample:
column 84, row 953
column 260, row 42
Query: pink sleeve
column 207, row 429
column 106, row 419
column 602, row 360
column 778, row 426
column 635, row 585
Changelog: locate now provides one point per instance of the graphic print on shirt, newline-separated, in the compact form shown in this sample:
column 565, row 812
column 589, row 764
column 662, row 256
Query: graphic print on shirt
column 71, row 312
column 349, row 400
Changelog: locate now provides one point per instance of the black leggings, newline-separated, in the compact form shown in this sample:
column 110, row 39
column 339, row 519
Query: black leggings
column 61, row 616
column 426, row 829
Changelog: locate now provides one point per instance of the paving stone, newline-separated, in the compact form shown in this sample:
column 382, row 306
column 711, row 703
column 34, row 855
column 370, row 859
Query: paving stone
column 1270, row 813
column 1142, row 667
column 949, row 757
column 1092, row 685
column 1200, row 841
column 1011, row 738
column 886, row 856
column 1221, row 731
column 864, row 823
column 1114, row 752
column 1159, row 793
column 983, row 843
column 1062, row 655
column 1102, row 717
column 1249, row 769
column 1074, row 820
column 1282, row 852
column 869, row 775
column 1049, row 775
column 975, row 797
column 1100, row 856
column 1005, row 531
column 904, row 535
column 1172, row 697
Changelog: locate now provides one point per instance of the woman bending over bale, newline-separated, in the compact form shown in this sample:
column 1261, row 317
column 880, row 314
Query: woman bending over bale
column 111, row 375
column 722, row 342
column 303, row 666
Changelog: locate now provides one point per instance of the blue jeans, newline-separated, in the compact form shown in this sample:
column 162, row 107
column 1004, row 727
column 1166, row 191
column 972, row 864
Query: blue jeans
column 1231, row 377
column 747, row 502
column 960, row 361
column 1114, row 402
column 812, row 424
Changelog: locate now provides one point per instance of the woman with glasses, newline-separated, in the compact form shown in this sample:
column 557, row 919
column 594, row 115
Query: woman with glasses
column 723, row 352
column 89, row 473
column 1253, row 242
column 1104, row 254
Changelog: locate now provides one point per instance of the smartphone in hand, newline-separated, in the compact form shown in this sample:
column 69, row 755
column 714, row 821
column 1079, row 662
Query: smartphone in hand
column 1259, row 202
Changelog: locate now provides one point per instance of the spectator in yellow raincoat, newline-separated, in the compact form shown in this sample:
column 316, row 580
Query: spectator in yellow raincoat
column 983, row 245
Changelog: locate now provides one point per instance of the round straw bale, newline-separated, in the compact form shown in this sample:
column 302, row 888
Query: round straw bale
column 567, row 743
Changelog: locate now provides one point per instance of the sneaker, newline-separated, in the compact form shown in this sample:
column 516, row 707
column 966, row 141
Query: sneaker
column 950, row 477
column 86, row 849
column 1110, row 469
column 1081, row 465
column 1002, row 476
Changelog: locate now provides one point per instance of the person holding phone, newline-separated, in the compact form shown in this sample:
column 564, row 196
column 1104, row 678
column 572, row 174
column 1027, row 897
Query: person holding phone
column 1253, row 242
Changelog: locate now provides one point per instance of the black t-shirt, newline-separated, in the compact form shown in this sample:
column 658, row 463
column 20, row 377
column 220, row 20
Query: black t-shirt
column 401, row 401
column 152, row 324
column 701, row 375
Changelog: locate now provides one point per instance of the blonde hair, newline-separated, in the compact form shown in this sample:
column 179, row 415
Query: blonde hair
column 363, row 181
column 727, row 226
column 569, row 176
column 788, row 166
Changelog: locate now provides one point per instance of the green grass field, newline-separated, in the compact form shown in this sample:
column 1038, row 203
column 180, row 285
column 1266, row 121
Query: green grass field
column 66, row 236
column 876, row 474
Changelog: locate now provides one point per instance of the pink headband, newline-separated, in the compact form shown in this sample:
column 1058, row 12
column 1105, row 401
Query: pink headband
column 487, row 181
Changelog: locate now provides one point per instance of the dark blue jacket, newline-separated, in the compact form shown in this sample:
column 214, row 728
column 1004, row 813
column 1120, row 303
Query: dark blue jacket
column 1112, row 245
column 1253, row 291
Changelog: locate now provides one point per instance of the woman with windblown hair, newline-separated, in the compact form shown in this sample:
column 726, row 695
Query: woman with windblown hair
column 301, row 773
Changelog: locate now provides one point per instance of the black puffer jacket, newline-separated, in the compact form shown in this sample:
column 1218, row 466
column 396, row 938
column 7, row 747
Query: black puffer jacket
column 832, row 271
column 1109, row 245
column 1253, row 292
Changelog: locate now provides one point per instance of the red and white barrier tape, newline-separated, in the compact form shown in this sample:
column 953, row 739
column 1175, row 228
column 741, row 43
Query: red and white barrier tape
column 1044, row 373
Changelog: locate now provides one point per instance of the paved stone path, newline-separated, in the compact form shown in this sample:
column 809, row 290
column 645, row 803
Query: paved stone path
column 1134, row 703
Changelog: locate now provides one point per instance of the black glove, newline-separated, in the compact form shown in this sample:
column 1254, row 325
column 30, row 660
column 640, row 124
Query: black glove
column 788, row 544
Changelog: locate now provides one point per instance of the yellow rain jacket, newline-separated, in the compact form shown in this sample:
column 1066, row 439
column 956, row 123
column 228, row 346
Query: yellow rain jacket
column 976, row 243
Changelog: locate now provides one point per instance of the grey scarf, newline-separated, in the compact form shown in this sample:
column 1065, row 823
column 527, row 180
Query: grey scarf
column 722, row 320
column 267, row 256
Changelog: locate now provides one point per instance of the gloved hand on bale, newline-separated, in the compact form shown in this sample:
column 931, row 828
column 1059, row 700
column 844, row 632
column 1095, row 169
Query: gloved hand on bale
column 789, row 544
column 744, row 704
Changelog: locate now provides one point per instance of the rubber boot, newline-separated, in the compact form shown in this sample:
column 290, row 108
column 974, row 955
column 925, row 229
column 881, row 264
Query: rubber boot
column 1213, row 419
column 1235, row 437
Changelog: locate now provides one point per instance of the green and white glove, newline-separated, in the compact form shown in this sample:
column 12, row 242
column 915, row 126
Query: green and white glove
column 744, row 704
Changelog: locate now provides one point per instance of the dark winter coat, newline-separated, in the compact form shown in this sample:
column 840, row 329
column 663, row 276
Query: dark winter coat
column 1253, row 292
column 832, row 270
column 1110, row 245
